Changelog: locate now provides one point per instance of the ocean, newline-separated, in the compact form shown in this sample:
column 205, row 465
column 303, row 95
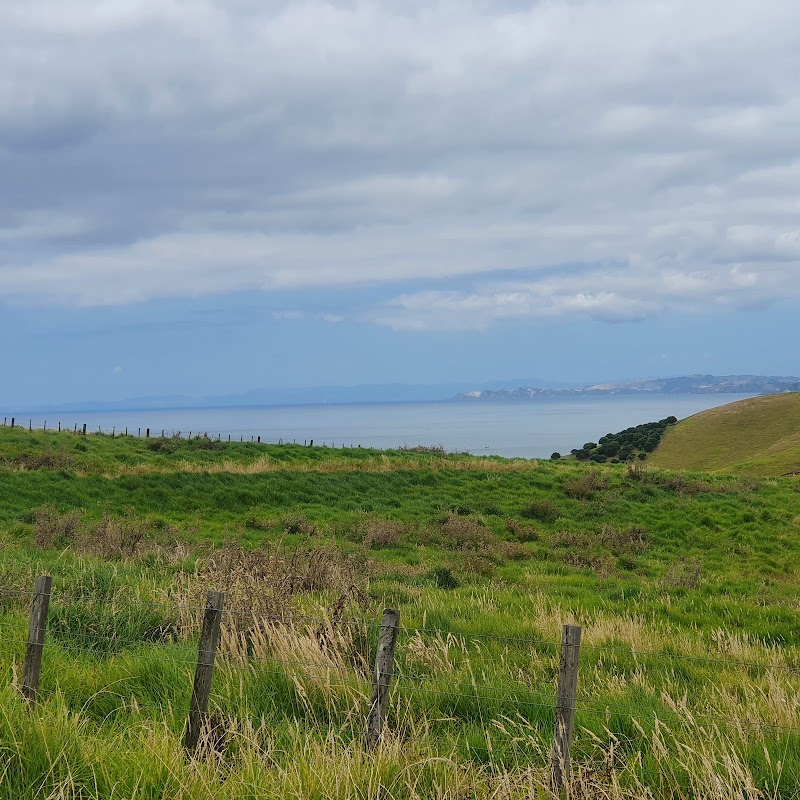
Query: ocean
column 524, row 429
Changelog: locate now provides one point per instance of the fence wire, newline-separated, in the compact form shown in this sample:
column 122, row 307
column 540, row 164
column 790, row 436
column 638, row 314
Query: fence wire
column 459, row 679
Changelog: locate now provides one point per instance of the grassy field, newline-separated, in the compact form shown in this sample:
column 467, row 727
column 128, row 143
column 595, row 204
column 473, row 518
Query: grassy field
column 759, row 436
column 686, row 585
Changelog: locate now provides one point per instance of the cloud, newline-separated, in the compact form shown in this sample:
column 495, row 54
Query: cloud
column 288, row 315
column 609, row 295
column 161, row 149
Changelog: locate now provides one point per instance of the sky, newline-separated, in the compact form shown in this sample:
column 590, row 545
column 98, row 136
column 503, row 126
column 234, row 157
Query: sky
column 204, row 198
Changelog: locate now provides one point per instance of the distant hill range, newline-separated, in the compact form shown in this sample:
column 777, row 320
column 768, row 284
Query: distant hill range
column 686, row 384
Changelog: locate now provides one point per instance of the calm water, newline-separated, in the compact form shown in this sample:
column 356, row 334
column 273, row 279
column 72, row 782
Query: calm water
column 523, row 429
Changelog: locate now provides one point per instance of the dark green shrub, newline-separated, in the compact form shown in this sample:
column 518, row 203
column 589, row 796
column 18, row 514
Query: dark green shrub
column 444, row 578
column 626, row 444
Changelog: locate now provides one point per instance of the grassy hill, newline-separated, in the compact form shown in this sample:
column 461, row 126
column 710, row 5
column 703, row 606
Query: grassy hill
column 687, row 586
column 759, row 436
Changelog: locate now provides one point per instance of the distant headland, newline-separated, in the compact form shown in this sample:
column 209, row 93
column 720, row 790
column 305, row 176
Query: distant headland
column 686, row 384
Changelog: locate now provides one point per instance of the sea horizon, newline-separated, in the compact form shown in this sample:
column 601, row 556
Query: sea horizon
column 510, row 428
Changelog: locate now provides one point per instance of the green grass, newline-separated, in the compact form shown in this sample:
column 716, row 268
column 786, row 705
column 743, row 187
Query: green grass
column 686, row 585
column 759, row 436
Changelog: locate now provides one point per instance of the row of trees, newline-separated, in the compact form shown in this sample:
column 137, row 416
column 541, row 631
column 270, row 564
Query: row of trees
column 626, row 445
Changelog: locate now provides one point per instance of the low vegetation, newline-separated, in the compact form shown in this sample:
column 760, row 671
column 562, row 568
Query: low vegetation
column 685, row 583
column 635, row 442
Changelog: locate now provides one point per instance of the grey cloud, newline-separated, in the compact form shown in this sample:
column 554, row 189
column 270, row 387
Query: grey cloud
column 158, row 149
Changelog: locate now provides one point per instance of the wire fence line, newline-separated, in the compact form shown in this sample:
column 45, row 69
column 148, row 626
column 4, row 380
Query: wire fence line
column 229, row 436
column 305, row 652
column 256, row 620
column 69, row 599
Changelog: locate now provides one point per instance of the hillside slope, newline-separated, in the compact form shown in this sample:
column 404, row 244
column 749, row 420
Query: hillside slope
column 759, row 436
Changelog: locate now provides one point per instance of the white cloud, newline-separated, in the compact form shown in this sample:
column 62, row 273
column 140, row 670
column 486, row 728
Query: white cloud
column 288, row 315
column 165, row 149
column 616, row 295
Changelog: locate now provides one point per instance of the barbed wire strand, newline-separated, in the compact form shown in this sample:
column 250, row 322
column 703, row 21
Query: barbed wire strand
column 529, row 641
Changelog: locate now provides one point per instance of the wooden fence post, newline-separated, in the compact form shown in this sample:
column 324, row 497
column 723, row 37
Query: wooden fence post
column 565, row 708
column 382, row 676
column 204, row 672
column 36, row 631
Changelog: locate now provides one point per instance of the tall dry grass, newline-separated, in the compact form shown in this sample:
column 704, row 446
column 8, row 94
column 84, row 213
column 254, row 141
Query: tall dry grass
column 383, row 463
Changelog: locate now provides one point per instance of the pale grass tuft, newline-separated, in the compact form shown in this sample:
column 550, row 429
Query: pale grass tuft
column 433, row 653
column 381, row 463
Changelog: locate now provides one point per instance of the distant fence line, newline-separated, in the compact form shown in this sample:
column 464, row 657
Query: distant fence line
column 383, row 673
column 148, row 433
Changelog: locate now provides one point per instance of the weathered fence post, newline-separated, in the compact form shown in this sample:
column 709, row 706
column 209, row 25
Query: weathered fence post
column 36, row 631
column 382, row 676
column 565, row 708
column 204, row 672
column 84, row 429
